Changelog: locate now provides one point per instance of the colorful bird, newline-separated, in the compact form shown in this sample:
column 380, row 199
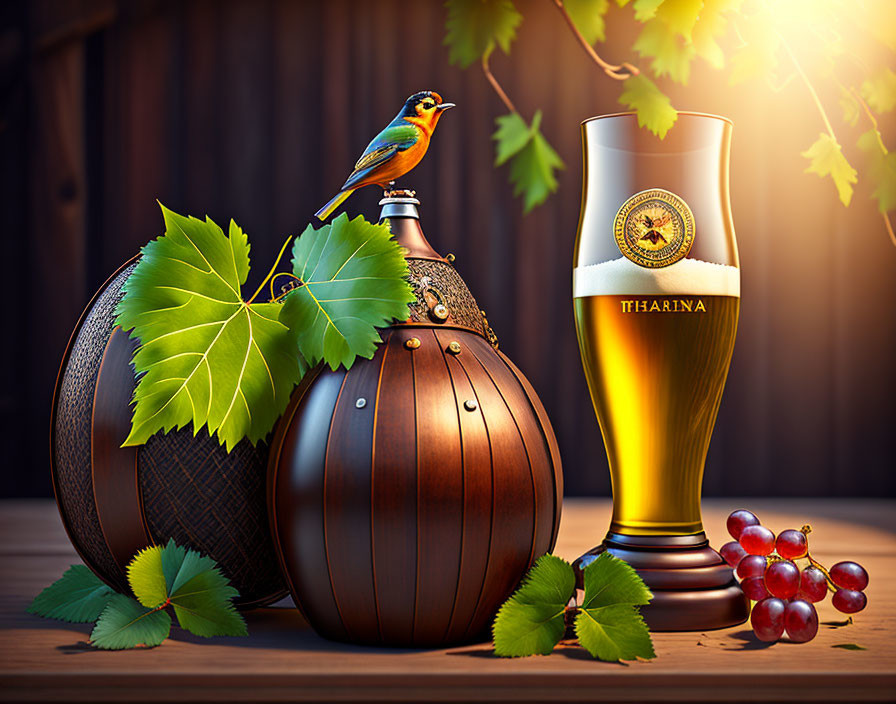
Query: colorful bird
column 396, row 150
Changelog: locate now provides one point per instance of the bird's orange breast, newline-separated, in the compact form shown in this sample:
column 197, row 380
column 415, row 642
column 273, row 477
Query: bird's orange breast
column 400, row 164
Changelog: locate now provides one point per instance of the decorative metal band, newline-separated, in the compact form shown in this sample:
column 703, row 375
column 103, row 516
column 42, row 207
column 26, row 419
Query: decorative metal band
column 114, row 468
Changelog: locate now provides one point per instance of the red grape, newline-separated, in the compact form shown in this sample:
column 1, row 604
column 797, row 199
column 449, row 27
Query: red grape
column 757, row 540
column 754, row 588
column 792, row 544
column 849, row 575
column 751, row 566
column 849, row 601
column 813, row 585
column 739, row 520
column 800, row 621
column 782, row 579
column 767, row 619
column 732, row 553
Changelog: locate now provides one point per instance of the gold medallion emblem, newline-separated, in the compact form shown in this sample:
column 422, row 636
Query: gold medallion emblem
column 654, row 228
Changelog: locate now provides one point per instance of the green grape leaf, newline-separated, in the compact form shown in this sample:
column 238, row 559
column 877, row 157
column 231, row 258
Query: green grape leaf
column 206, row 356
column 146, row 577
column 512, row 135
column 476, row 26
column 710, row 25
column 355, row 278
column 608, row 625
column 879, row 91
column 79, row 596
column 622, row 3
column 125, row 623
column 671, row 53
column 534, row 160
column 654, row 110
column 885, row 184
column 532, row 166
column 882, row 170
column 203, row 606
column 588, row 17
column 826, row 158
column 192, row 584
column 531, row 621
column 850, row 107
column 645, row 9
column 871, row 142
column 610, row 581
column 680, row 15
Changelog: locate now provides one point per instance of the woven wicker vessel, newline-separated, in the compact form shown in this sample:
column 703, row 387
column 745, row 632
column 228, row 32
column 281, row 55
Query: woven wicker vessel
column 114, row 501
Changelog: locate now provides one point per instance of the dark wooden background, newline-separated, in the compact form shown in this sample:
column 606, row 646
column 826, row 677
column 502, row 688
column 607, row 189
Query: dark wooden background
column 256, row 111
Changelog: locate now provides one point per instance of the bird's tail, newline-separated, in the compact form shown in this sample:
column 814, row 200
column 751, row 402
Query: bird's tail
column 334, row 203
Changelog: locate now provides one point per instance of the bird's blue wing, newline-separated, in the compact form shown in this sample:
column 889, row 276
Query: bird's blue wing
column 385, row 145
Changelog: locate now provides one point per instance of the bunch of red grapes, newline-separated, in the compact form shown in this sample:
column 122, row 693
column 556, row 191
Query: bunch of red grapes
column 784, row 593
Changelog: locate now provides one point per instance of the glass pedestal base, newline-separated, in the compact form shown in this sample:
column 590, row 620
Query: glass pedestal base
column 693, row 588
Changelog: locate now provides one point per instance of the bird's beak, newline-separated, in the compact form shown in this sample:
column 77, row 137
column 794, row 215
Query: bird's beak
column 445, row 106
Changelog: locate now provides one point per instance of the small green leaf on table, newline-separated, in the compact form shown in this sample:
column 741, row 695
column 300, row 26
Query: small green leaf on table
column 192, row 584
column 826, row 158
column 354, row 278
column 206, row 356
column 159, row 577
column 653, row 108
column 79, row 596
column 475, row 26
column 126, row 623
column 608, row 625
column 531, row 621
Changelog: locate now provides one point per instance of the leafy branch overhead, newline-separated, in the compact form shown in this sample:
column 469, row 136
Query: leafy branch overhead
column 749, row 39
column 474, row 29
column 159, row 577
column 211, row 358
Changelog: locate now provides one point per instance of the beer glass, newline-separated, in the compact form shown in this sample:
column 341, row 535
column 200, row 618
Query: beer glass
column 656, row 289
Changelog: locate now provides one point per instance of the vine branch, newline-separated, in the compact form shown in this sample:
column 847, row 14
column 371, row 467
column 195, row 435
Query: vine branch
column 871, row 119
column 271, row 272
column 274, row 298
column 612, row 70
column 883, row 149
column 821, row 110
column 494, row 82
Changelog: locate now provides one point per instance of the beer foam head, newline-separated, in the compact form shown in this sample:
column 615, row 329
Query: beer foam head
column 624, row 277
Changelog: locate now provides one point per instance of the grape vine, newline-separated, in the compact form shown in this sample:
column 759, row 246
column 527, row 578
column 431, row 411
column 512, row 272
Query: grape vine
column 848, row 43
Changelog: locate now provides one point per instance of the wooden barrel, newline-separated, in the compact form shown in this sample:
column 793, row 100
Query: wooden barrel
column 114, row 501
column 410, row 494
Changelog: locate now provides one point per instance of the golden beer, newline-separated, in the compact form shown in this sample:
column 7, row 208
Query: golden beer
column 656, row 367
column 656, row 292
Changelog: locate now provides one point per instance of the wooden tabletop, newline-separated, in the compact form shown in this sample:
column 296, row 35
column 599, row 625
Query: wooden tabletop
column 283, row 659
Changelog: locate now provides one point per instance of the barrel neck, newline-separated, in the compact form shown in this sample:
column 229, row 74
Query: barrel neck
column 409, row 235
column 404, row 222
